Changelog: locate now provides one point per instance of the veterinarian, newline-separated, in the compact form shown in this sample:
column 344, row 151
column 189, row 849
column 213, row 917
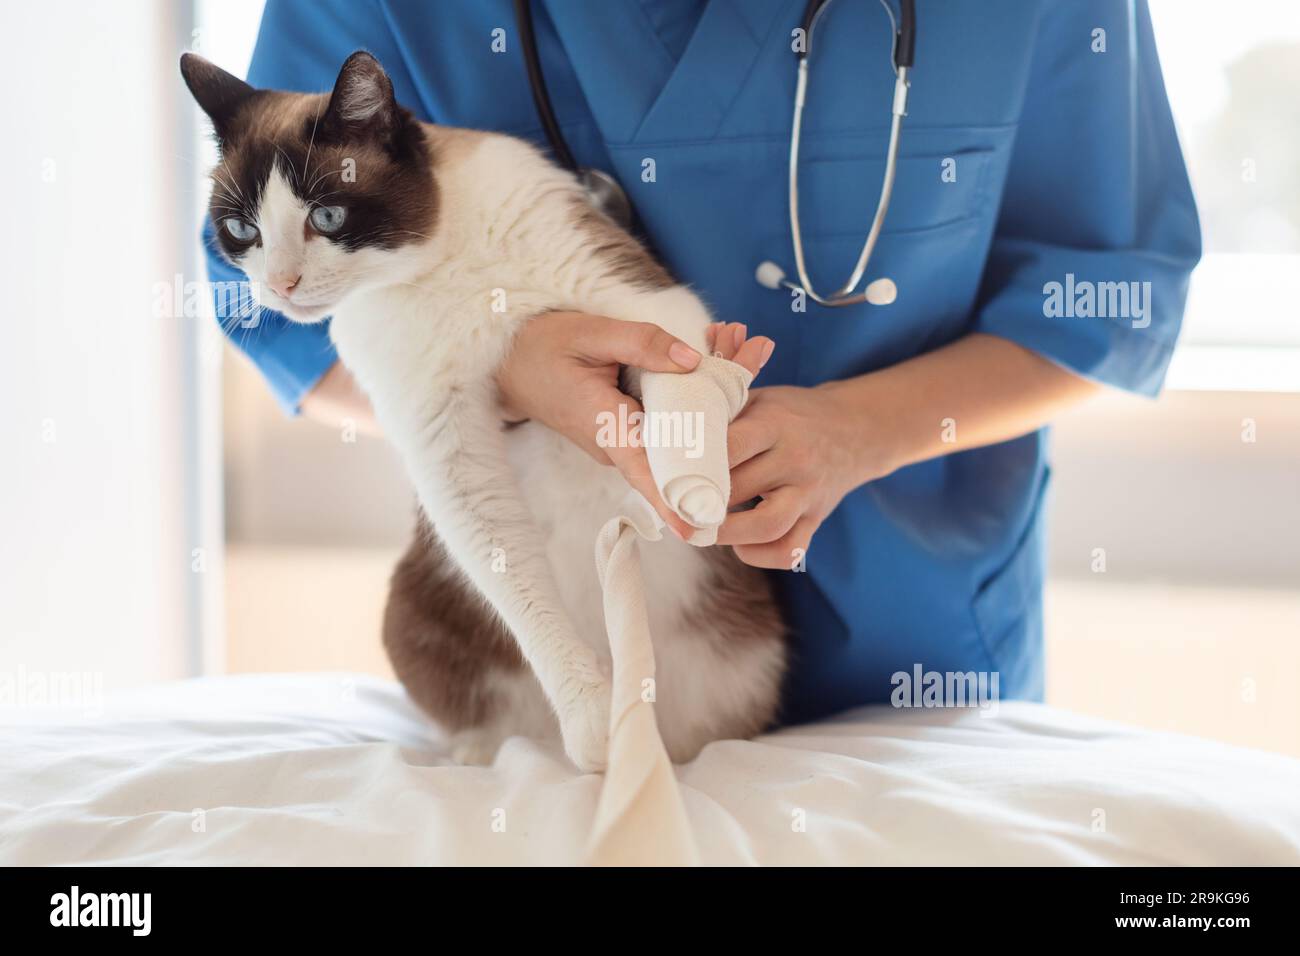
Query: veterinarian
column 900, row 450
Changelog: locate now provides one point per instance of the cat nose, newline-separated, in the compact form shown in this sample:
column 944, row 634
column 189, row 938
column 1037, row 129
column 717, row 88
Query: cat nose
column 283, row 284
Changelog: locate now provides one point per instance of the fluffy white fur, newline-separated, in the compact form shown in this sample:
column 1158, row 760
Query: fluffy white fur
column 420, row 330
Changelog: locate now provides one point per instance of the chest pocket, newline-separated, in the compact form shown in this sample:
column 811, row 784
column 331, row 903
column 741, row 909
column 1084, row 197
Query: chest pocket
column 935, row 195
column 932, row 244
column 838, row 194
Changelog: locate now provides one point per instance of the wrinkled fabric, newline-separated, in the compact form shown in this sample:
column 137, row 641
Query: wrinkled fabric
column 281, row 770
column 640, row 818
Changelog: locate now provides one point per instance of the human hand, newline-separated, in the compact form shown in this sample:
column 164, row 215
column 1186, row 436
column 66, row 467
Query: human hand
column 563, row 372
column 800, row 450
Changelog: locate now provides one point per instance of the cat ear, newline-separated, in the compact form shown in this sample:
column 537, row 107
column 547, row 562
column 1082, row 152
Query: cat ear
column 218, row 93
column 362, row 101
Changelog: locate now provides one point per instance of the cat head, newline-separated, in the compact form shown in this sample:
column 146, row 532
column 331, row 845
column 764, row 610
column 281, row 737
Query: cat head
column 316, row 197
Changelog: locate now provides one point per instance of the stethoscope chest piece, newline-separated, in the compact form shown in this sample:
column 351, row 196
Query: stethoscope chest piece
column 883, row 291
column 607, row 195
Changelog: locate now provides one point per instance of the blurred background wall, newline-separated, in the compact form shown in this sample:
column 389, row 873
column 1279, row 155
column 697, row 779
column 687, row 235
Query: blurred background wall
column 109, row 494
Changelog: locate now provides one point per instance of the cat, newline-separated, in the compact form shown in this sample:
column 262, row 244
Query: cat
column 429, row 247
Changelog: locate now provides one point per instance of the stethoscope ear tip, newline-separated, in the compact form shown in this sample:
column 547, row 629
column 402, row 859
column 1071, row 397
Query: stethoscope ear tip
column 882, row 292
column 769, row 275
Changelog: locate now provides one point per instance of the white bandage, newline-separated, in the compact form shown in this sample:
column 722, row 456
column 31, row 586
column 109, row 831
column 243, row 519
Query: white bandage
column 640, row 818
column 685, row 432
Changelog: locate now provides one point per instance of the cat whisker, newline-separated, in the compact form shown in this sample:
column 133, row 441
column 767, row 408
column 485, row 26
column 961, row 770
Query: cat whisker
column 239, row 314
column 254, row 326
column 306, row 163
column 326, row 172
column 234, row 193
column 288, row 162
column 228, row 182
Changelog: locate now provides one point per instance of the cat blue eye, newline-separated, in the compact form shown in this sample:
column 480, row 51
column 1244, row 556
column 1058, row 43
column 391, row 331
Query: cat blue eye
column 241, row 230
column 327, row 219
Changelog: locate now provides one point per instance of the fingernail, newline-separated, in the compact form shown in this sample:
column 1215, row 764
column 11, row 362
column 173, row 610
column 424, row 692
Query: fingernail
column 738, row 337
column 767, row 353
column 683, row 355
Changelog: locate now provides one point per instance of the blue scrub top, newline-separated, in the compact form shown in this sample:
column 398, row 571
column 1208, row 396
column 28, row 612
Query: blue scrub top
column 1031, row 153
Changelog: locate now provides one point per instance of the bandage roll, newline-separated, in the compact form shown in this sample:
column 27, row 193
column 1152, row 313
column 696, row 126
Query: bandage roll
column 685, row 434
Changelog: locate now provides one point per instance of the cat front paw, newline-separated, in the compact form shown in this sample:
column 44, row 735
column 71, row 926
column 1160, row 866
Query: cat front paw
column 584, row 724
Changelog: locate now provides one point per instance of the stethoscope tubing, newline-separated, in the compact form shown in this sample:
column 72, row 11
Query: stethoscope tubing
column 537, row 84
column 900, row 58
column 608, row 195
column 845, row 295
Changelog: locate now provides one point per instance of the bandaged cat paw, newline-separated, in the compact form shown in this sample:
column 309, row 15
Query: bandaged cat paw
column 685, row 429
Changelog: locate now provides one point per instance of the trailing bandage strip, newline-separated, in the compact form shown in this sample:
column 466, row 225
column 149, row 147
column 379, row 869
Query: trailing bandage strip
column 640, row 819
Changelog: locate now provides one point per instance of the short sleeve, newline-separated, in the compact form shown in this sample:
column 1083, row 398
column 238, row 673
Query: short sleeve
column 1097, row 233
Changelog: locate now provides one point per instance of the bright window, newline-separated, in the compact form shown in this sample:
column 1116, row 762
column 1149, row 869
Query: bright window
column 1232, row 72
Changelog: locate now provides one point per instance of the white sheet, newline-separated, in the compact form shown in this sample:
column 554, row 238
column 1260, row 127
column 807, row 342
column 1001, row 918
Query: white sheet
column 329, row 769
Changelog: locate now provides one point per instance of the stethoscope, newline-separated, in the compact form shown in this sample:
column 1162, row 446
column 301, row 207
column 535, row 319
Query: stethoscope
column 607, row 195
